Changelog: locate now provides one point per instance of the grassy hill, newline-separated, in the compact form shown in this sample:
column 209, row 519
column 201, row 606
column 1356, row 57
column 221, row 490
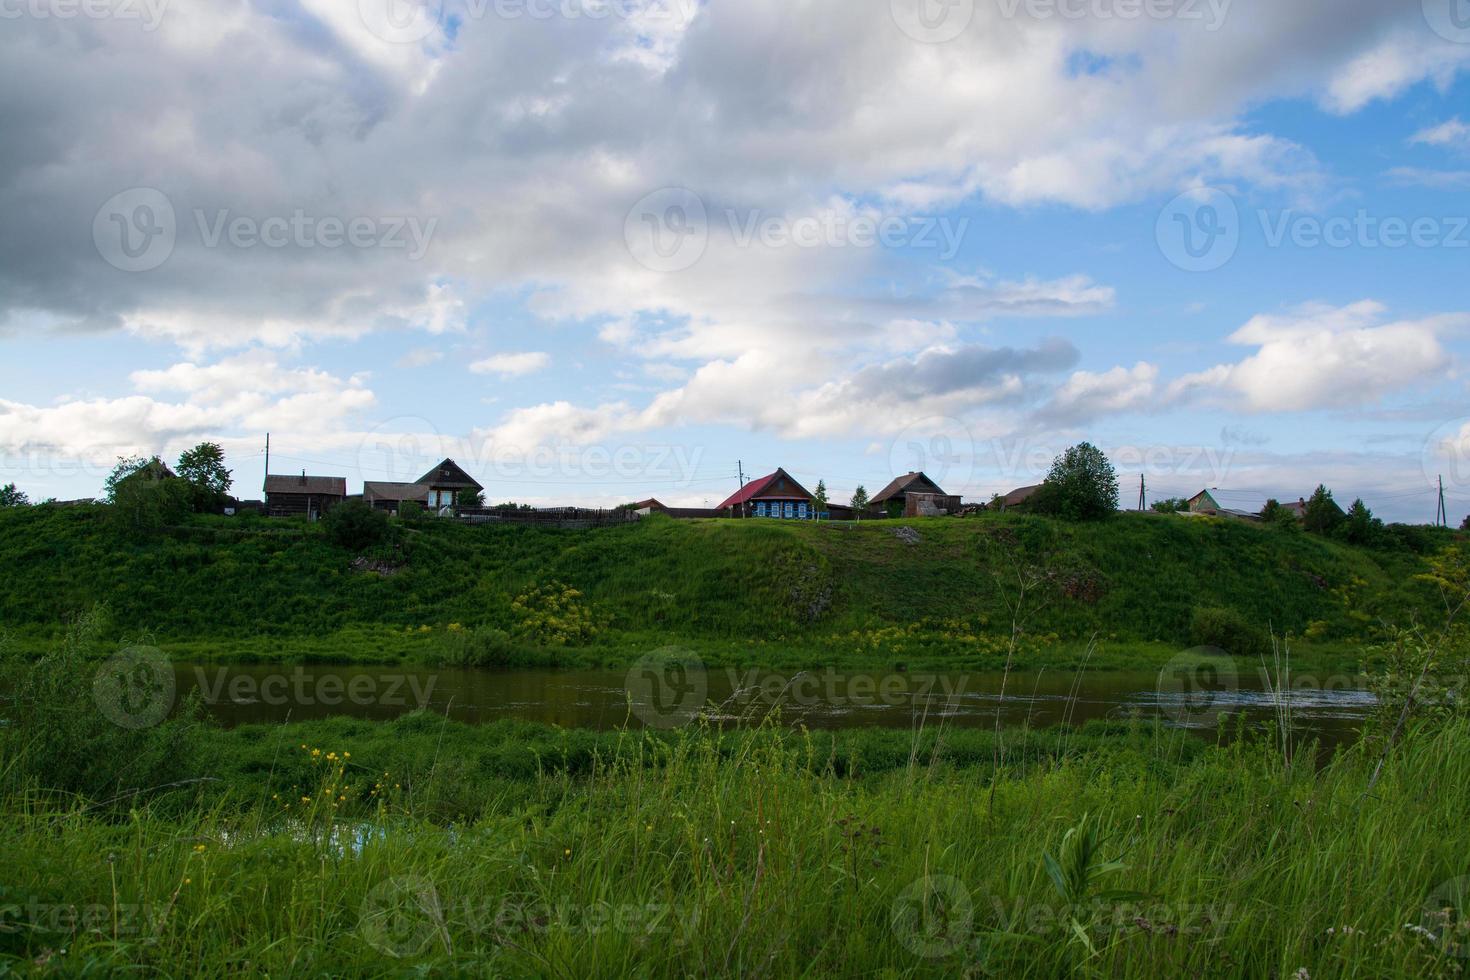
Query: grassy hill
column 754, row 592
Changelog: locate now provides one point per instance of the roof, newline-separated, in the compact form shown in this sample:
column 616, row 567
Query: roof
column 153, row 469
column 756, row 489
column 449, row 475
column 1247, row 501
column 1020, row 495
column 382, row 490
column 331, row 486
column 901, row 485
column 651, row 503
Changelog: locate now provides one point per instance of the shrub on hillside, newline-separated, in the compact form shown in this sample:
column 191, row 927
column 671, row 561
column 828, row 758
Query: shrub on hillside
column 1227, row 629
column 355, row 526
column 1081, row 486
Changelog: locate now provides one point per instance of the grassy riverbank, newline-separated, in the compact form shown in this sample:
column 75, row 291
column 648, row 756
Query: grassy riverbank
column 1140, row 856
column 766, row 593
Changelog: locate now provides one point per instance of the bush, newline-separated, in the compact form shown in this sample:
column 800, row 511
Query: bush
column 1082, row 486
column 355, row 526
column 1228, row 630
column 61, row 738
column 484, row 646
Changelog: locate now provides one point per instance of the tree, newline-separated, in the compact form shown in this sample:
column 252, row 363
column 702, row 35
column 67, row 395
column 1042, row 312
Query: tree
column 820, row 497
column 203, row 468
column 1081, row 486
column 470, row 497
column 1173, row 505
column 11, row 497
column 1465, row 524
column 1360, row 526
column 126, row 466
column 355, row 525
column 144, row 495
column 1323, row 516
column 859, row 502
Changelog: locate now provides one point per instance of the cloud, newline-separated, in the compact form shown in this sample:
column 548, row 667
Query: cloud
column 1446, row 180
column 524, row 141
column 1452, row 133
column 1087, row 395
column 1316, row 357
column 512, row 365
column 249, row 393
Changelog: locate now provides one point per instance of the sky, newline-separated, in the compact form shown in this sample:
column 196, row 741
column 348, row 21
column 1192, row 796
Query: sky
column 604, row 250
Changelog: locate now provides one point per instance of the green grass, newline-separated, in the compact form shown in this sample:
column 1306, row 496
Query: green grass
column 748, row 592
column 747, row 854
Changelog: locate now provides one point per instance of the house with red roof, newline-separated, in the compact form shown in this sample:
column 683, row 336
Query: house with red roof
column 777, row 495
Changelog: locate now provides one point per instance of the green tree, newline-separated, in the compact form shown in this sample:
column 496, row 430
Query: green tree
column 470, row 497
column 1465, row 524
column 144, row 495
column 820, row 496
column 355, row 525
column 859, row 502
column 1081, row 486
column 1173, row 505
column 1360, row 526
column 203, row 468
column 1323, row 516
column 11, row 497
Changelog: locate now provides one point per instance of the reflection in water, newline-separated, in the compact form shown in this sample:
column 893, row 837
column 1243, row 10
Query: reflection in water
column 818, row 699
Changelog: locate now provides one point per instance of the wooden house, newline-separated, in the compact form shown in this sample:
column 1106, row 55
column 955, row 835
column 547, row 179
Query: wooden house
column 915, row 495
column 777, row 495
column 436, row 491
column 303, row 496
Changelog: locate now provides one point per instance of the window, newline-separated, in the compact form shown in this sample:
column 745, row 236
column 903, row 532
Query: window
column 801, row 510
column 760, row 508
column 790, row 509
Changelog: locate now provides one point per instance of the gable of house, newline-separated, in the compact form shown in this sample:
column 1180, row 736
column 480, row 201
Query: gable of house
column 448, row 475
column 908, row 483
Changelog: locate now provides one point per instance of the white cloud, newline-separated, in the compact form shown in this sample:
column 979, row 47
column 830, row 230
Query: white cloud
column 512, row 365
column 250, row 393
column 1086, row 395
column 1452, row 133
column 1318, row 356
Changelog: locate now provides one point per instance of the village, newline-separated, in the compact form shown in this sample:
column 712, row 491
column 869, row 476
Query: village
column 447, row 490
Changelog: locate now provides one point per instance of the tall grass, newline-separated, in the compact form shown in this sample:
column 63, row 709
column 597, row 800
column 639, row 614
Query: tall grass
column 748, row 854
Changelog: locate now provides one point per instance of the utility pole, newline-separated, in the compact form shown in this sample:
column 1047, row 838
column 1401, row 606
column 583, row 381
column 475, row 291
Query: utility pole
column 1140, row 492
column 1441, row 515
column 267, row 475
column 740, row 473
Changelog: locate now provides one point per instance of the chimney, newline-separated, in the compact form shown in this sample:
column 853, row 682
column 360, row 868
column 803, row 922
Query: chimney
column 303, row 478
